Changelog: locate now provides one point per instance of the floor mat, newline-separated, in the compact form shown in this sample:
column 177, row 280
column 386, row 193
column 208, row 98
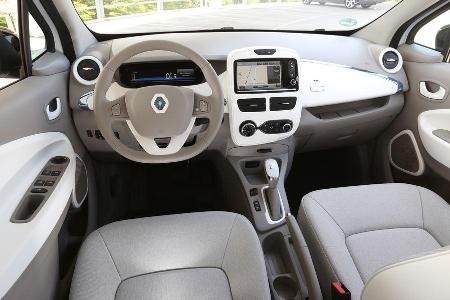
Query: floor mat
column 325, row 169
column 138, row 190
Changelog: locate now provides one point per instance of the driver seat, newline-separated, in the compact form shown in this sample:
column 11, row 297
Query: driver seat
column 208, row 255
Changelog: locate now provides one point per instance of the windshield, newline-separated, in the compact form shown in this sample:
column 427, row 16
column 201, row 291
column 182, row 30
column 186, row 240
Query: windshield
column 137, row 16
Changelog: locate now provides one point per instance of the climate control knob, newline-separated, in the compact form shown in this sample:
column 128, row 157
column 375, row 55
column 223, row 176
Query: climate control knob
column 287, row 127
column 247, row 128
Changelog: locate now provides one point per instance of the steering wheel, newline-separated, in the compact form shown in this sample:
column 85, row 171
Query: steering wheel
column 161, row 111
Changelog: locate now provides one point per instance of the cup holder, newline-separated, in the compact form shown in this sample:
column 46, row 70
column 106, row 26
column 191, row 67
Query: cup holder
column 285, row 287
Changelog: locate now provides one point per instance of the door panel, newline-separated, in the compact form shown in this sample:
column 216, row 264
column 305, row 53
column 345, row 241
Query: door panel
column 28, row 219
column 23, row 114
column 40, row 230
column 436, row 175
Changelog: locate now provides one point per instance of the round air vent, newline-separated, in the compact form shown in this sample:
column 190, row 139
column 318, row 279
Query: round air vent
column 86, row 69
column 391, row 60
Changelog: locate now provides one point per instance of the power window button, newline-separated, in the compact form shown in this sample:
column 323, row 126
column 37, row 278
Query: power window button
column 49, row 183
column 39, row 182
column 46, row 173
column 56, row 173
column 39, row 191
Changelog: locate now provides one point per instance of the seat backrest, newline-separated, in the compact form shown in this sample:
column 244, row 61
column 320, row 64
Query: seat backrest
column 424, row 277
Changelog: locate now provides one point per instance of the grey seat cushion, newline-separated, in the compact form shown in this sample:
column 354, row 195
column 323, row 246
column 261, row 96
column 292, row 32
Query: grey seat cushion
column 213, row 255
column 352, row 232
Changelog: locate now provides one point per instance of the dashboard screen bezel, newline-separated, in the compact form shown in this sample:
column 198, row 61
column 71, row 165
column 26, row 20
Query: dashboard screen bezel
column 264, row 65
column 286, row 87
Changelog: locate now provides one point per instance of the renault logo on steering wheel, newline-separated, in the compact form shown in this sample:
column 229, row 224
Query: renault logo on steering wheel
column 160, row 103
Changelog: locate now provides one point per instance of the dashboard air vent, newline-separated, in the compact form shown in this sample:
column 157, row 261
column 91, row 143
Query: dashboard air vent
column 86, row 69
column 282, row 103
column 391, row 60
column 252, row 105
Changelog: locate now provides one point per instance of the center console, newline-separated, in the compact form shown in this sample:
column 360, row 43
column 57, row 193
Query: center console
column 264, row 107
column 261, row 172
column 263, row 94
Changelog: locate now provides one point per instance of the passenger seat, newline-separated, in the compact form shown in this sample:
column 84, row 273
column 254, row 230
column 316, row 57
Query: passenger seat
column 354, row 232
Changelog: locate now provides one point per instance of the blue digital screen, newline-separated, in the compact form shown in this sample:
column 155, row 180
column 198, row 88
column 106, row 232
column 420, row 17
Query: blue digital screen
column 170, row 73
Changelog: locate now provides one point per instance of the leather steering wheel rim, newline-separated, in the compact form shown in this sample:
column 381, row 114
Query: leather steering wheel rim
column 103, row 108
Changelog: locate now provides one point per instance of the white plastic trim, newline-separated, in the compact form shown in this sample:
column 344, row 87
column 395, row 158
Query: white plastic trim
column 266, row 206
column 429, row 121
column 21, row 161
column 237, row 117
column 439, row 95
column 77, row 76
column 421, row 169
column 400, row 60
column 323, row 83
column 52, row 115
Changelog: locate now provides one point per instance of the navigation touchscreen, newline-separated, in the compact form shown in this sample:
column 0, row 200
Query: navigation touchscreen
column 258, row 75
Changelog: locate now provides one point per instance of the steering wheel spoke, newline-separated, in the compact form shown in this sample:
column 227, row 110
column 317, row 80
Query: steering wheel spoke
column 117, row 109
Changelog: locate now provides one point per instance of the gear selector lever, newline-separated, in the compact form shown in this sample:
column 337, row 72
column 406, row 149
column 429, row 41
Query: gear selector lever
column 272, row 171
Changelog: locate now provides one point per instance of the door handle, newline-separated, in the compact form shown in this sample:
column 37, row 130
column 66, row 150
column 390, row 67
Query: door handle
column 438, row 94
column 53, row 109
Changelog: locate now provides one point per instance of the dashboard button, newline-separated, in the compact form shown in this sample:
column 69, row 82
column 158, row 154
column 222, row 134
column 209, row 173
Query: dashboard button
column 203, row 106
column 265, row 51
column 287, row 127
column 257, row 205
column 115, row 110
column 98, row 135
column 247, row 128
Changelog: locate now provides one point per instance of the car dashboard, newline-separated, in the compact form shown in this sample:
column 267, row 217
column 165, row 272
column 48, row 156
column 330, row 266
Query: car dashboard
column 308, row 91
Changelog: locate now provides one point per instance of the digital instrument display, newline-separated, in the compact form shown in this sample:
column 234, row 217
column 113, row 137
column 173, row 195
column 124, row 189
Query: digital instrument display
column 258, row 75
column 170, row 73
column 173, row 75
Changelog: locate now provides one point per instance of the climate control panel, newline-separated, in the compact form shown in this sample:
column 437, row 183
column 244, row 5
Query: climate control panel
column 276, row 126
column 248, row 128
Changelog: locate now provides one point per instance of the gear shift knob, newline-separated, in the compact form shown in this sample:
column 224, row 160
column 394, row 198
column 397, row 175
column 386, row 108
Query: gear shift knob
column 272, row 171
